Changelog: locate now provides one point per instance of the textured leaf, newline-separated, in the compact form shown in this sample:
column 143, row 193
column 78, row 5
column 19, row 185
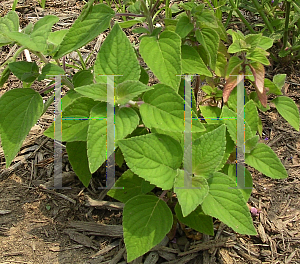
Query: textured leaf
column 288, row 109
column 132, row 186
column 225, row 202
column 164, row 109
column 24, row 70
column 20, row 110
column 184, row 26
column 163, row 57
column 208, row 151
column 154, row 157
column 78, row 158
column 141, row 216
column 190, row 197
column 126, row 120
column 117, row 57
column 196, row 220
column 82, row 32
column 209, row 38
column 192, row 62
column 265, row 160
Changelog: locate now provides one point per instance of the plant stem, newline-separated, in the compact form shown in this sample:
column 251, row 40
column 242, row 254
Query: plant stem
column 286, row 26
column 233, row 5
column 129, row 14
column 263, row 16
column 147, row 15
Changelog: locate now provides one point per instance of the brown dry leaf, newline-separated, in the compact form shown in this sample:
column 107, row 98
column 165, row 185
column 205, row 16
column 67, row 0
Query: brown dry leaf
column 258, row 71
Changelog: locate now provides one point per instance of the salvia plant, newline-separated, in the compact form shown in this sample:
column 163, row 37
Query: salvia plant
column 151, row 132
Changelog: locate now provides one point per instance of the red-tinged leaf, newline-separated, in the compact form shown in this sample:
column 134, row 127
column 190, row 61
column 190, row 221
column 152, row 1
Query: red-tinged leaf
column 231, row 82
column 258, row 71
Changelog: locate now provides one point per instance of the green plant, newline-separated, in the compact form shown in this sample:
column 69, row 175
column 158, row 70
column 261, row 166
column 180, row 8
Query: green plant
column 150, row 134
column 281, row 21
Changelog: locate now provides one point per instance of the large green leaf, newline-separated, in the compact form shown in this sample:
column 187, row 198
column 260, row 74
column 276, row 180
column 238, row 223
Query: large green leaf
column 163, row 56
column 24, row 70
column 154, row 157
column 52, row 70
column 37, row 40
column 78, row 158
column 75, row 120
column 196, row 220
column 146, row 221
column 117, row 57
column 225, row 202
column 191, row 196
column 184, row 26
column 131, row 185
column 288, row 109
column 210, row 39
column 84, row 31
column 251, row 116
column 20, row 109
column 164, row 109
column 127, row 90
column 96, row 91
column 208, row 151
column 192, row 62
column 8, row 23
column 265, row 160
column 96, row 137
column 126, row 120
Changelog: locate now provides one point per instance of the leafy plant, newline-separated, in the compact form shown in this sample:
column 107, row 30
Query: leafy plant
column 281, row 22
column 150, row 133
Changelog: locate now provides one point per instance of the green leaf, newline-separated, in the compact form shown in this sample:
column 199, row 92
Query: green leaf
column 82, row 78
column 259, row 55
column 279, row 80
column 37, row 40
column 126, row 120
column 190, row 197
column 50, row 69
column 57, row 37
column 265, row 160
column 82, row 32
column 78, row 158
column 70, row 96
column 208, row 151
column 233, row 63
column 196, row 220
column 153, row 157
column 210, row 113
column 207, row 18
column 117, row 57
column 141, row 216
column 225, row 202
column 96, row 137
column 128, row 90
column 273, row 88
column 192, row 62
column 132, row 185
column 20, row 110
column 95, row 91
column 265, row 43
column 288, row 110
column 251, row 116
column 144, row 76
column 24, row 70
column 251, row 143
column 74, row 123
column 184, row 26
column 163, row 57
column 164, row 109
column 129, row 23
column 8, row 23
column 246, row 192
column 253, row 40
column 221, row 61
column 209, row 38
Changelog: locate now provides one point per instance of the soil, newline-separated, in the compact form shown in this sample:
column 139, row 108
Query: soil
column 40, row 225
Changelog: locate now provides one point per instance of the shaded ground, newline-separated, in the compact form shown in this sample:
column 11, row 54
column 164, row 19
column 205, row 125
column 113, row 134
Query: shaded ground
column 39, row 226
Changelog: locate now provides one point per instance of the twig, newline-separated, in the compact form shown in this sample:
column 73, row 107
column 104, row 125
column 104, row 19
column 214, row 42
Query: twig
column 42, row 188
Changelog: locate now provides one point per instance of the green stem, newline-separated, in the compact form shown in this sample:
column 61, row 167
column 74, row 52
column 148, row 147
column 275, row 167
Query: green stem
column 147, row 15
column 234, row 7
column 81, row 60
column 286, row 26
column 263, row 16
